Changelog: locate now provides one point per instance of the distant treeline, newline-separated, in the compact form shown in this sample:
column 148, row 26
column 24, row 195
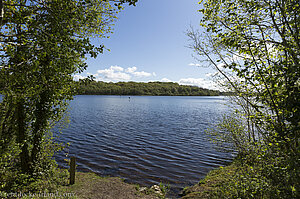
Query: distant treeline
column 140, row 88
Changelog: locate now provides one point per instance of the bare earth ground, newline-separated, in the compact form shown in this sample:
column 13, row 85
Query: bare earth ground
column 89, row 185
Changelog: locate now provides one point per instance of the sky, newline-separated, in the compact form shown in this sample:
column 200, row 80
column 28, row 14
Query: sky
column 149, row 43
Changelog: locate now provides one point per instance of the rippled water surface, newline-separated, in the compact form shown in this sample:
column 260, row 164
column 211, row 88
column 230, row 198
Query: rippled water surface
column 145, row 139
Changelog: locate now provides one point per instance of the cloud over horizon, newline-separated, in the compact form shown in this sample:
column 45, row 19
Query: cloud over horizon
column 118, row 73
column 200, row 82
column 78, row 77
column 133, row 71
column 165, row 80
column 114, row 73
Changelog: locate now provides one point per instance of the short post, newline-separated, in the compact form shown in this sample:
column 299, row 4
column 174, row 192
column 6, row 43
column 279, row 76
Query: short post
column 72, row 170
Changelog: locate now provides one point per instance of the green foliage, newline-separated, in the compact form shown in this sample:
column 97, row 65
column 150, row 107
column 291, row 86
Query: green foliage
column 232, row 136
column 242, row 182
column 25, row 184
column 164, row 189
column 254, row 46
column 248, row 182
column 44, row 176
column 139, row 88
column 42, row 44
column 238, row 180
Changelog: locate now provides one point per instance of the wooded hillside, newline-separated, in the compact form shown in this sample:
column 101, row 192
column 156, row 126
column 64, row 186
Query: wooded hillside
column 141, row 88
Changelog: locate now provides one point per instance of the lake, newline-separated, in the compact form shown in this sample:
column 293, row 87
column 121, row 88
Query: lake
column 145, row 139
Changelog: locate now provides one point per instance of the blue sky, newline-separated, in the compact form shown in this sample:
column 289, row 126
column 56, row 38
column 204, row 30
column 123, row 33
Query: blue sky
column 149, row 44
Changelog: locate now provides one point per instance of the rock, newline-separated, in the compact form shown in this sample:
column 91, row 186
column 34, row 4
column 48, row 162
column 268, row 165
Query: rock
column 143, row 189
column 156, row 189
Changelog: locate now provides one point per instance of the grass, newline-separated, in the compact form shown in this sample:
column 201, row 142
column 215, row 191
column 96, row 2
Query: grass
column 87, row 185
column 207, row 187
column 90, row 185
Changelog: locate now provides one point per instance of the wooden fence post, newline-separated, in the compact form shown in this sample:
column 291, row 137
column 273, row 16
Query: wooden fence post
column 72, row 170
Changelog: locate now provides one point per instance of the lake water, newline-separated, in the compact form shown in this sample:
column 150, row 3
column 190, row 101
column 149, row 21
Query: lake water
column 145, row 139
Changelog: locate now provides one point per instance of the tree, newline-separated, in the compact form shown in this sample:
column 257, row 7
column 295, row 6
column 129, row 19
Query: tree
column 43, row 43
column 255, row 48
column 140, row 88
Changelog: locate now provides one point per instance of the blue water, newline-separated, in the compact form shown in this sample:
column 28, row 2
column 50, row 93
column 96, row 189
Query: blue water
column 145, row 139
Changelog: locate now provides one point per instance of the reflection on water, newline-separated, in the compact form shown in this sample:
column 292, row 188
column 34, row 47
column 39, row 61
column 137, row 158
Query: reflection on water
column 144, row 139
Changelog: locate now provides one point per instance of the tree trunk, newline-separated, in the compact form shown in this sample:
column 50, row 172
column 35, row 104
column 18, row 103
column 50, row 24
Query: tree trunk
column 39, row 127
column 21, row 137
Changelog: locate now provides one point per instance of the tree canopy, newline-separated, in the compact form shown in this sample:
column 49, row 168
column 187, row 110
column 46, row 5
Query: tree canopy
column 255, row 48
column 42, row 44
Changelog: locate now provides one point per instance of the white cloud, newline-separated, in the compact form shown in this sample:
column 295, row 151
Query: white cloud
column 117, row 68
column 200, row 82
column 95, row 75
column 119, row 77
column 221, row 65
column 112, row 69
column 211, row 74
column 117, row 73
column 114, row 73
column 165, row 80
column 193, row 64
column 131, row 69
column 142, row 74
column 113, row 76
column 78, row 77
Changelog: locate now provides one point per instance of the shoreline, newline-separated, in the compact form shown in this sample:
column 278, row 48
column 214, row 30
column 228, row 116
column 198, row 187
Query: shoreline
column 154, row 95
column 89, row 184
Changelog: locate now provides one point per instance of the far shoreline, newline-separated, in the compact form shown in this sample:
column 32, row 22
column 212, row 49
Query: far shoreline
column 155, row 95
